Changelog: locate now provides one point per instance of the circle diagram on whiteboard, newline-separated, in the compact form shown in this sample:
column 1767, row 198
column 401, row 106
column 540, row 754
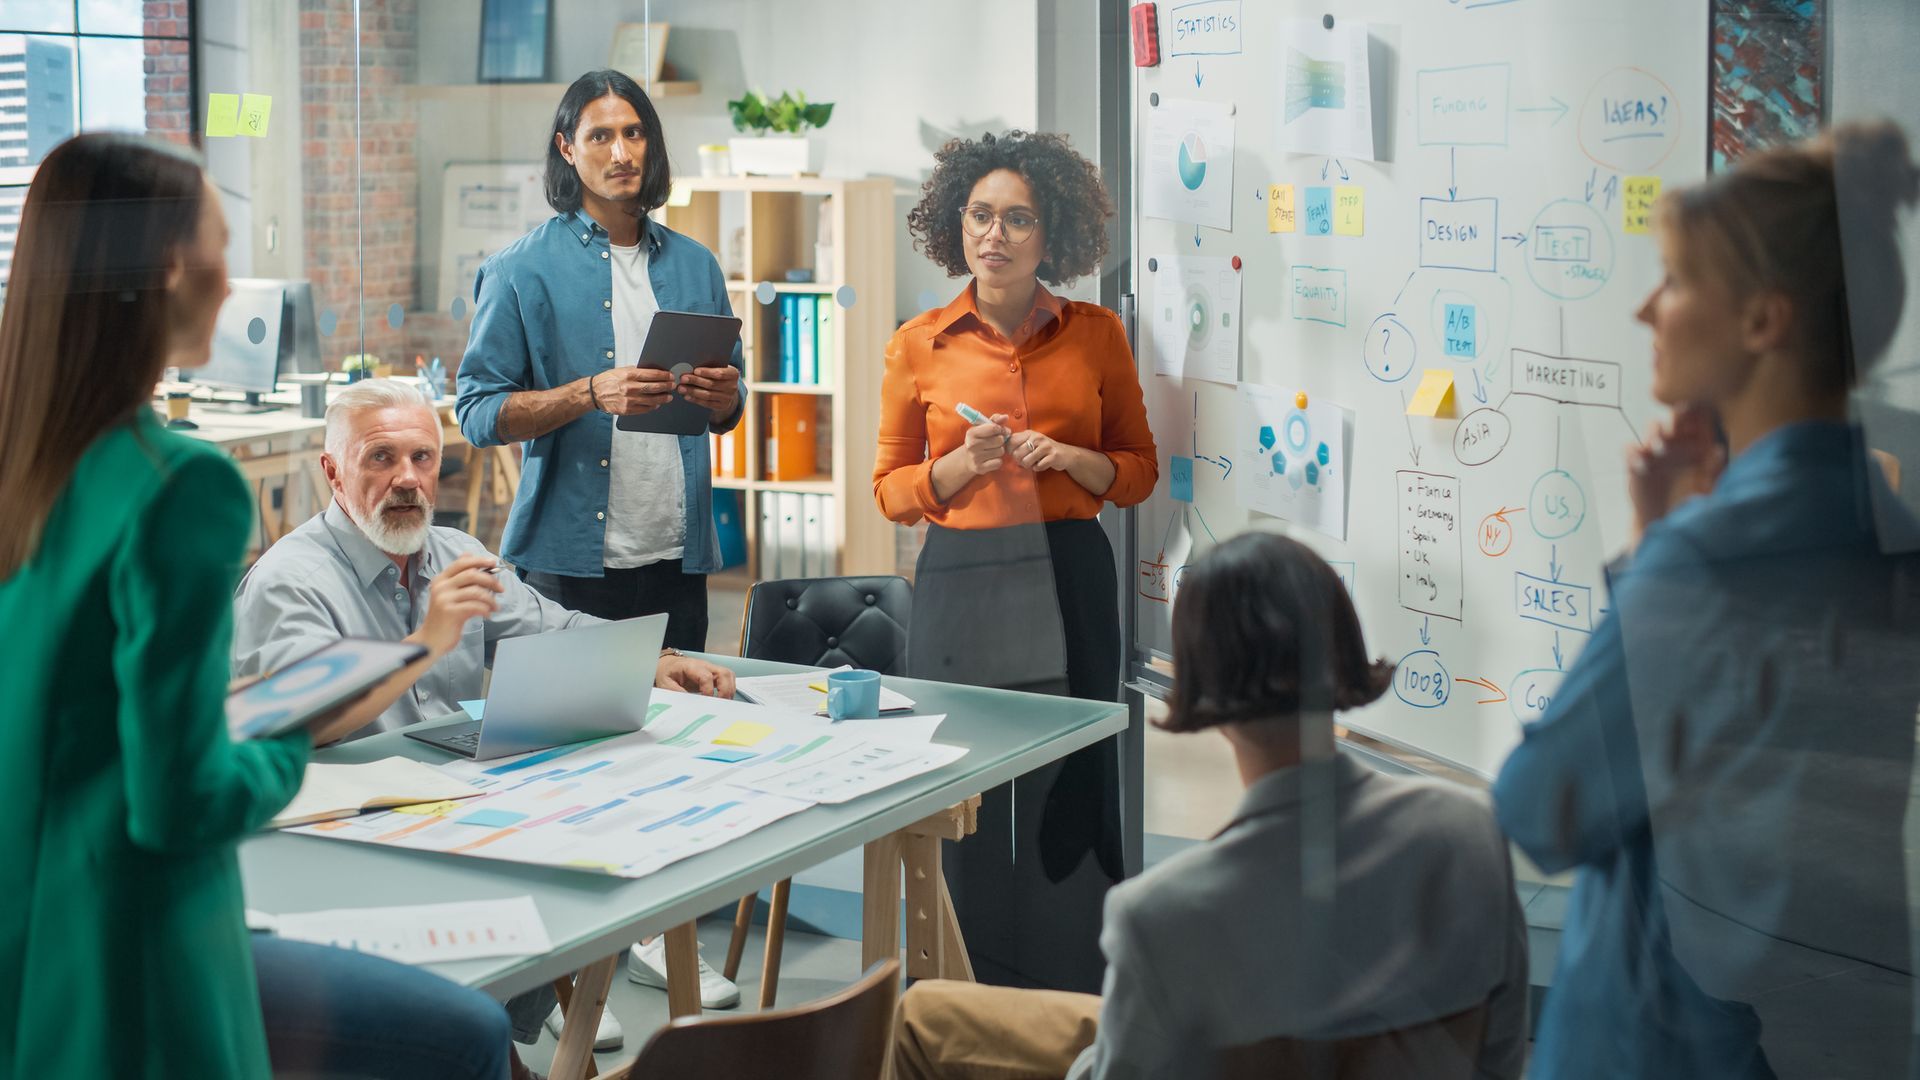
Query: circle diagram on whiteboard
column 1193, row 161
column 1199, row 319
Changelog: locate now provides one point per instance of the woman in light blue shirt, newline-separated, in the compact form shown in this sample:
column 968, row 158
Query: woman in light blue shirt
column 1727, row 764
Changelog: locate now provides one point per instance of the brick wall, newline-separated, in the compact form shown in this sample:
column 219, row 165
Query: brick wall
column 169, row 86
column 384, row 218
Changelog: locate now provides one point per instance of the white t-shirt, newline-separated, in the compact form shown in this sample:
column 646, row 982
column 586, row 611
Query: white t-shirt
column 646, row 488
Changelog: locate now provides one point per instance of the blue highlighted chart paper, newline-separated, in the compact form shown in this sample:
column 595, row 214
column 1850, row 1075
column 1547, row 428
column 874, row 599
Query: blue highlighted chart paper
column 1188, row 174
column 1295, row 463
column 632, row 804
column 1325, row 90
column 1195, row 322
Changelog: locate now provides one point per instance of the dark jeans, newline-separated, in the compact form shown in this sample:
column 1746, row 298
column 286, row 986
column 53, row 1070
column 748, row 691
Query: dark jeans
column 332, row 1012
column 644, row 590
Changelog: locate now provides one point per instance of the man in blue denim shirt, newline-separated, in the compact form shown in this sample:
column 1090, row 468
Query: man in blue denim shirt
column 613, row 523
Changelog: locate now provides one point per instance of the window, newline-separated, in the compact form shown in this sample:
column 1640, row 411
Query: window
column 85, row 65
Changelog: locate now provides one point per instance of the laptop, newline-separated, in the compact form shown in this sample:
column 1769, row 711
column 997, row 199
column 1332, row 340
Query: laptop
column 563, row 686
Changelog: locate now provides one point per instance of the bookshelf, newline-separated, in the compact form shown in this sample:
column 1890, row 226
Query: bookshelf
column 778, row 223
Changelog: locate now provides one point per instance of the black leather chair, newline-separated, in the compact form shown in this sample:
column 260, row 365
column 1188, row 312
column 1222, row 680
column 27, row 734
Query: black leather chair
column 819, row 622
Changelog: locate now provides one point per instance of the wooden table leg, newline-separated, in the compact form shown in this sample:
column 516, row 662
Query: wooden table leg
column 925, row 945
column 737, row 944
column 956, row 964
column 776, row 940
column 573, row 1058
column 880, row 901
column 683, row 971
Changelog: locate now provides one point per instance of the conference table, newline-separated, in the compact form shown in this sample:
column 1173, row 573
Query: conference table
column 591, row 919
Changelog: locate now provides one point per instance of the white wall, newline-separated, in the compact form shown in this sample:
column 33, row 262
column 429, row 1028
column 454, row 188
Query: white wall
column 902, row 77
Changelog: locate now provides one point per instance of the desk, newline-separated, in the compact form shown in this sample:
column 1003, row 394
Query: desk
column 593, row 919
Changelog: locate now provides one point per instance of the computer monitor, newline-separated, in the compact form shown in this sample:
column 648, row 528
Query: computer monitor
column 299, row 332
column 247, row 343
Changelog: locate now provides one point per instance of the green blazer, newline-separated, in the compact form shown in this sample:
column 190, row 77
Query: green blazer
column 123, row 951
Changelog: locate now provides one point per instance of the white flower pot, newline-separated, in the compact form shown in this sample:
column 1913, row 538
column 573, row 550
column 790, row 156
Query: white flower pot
column 771, row 155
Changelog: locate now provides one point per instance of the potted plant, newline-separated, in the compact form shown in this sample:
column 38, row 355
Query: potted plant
column 360, row 366
column 779, row 146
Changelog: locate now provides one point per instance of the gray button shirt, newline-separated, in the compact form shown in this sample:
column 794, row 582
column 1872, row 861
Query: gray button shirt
column 325, row 580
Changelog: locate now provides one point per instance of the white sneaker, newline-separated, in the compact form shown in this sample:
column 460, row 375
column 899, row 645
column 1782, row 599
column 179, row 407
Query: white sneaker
column 647, row 965
column 609, row 1037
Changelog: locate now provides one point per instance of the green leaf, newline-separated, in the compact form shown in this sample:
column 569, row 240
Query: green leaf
column 818, row 115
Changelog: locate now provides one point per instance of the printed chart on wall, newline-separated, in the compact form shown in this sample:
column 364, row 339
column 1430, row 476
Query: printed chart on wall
column 1402, row 332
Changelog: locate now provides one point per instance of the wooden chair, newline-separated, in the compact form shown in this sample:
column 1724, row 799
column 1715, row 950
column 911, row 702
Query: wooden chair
column 1443, row 1049
column 819, row 622
column 846, row 1036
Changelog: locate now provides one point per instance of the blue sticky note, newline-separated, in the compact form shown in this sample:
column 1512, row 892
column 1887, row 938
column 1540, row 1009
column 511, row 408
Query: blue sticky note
column 475, row 709
column 725, row 754
column 1180, row 481
column 1461, row 330
column 492, row 819
column 1319, row 211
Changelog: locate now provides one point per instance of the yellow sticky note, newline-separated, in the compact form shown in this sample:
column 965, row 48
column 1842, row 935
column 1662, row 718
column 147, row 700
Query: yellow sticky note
column 743, row 733
column 1637, row 196
column 428, row 809
column 1435, row 396
column 223, row 115
column 254, row 110
column 1280, row 208
column 1349, row 210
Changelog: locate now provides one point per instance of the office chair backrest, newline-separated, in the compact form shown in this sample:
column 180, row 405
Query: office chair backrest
column 843, row 1037
column 826, row 622
column 1443, row 1049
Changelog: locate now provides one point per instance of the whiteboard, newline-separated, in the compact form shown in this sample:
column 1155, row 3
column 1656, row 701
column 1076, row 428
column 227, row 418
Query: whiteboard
column 484, row 206
column 1501, row 240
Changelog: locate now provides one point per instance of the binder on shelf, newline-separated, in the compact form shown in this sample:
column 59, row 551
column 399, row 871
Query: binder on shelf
column 792, row 554
column 809, row 371
column 789, row 337
column 790, row 437
column 729, row 528
column 822, row 554
column 824, row 327
column 769, row 535
column 733, row 452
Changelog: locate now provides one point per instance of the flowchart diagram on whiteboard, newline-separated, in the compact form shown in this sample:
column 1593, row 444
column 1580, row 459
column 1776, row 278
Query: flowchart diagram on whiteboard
column 1407, row 338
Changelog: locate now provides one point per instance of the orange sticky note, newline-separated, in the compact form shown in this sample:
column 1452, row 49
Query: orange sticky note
column 1435, row 396
column 1280, row 217
column 1637, row 196
column 223, row 115
column 1349, row 210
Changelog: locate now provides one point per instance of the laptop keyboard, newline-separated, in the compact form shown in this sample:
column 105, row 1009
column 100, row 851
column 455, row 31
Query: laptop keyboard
column 463, row 740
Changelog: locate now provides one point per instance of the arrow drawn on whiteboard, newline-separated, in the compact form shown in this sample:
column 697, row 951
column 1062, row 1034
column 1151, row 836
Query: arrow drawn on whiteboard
column 1499, row 695
column 1426, row 626
column 1612, row 191
column 1196, row 73
column 1222, row 461
column 1553, row 566
column 1453, row 173
column 1196, row 236
column 1593, row 175
column 1479, row 391
column 1413, row 446
column 1334, row 163
column 1559, row 662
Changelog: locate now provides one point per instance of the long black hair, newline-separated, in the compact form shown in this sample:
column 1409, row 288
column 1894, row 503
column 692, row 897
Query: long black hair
column 563, row 183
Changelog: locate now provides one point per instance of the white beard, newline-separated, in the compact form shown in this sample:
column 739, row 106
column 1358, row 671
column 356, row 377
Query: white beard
column 395, row 540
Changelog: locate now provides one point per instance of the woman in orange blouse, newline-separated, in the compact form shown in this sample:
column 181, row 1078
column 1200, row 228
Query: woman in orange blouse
column 1015, row 587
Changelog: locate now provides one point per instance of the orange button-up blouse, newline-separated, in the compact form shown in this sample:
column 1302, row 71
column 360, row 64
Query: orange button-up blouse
column 1072, row 378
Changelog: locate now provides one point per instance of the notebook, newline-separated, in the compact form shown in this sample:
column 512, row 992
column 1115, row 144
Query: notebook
column 337, row 791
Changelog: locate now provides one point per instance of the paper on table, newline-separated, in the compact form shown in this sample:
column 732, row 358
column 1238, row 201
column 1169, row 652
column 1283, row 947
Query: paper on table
column 336, row 791
column 426, row 933
column 846, row 770
column 795, row 692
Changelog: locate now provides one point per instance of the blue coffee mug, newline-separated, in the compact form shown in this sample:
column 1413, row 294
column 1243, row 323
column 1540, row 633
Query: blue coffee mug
column 853, row 695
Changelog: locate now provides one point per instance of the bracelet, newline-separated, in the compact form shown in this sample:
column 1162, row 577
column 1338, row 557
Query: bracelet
column 670, row 651
column 592, row 395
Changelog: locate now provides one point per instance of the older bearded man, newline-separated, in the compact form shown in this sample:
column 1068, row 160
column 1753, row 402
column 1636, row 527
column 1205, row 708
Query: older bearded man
column 373, row 565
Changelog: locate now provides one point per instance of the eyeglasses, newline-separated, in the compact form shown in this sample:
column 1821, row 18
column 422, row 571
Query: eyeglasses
column 1015, row 225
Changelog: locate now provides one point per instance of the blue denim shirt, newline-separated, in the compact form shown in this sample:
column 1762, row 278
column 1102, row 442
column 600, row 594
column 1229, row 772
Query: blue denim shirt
column 1727, row 765
column 543, row 318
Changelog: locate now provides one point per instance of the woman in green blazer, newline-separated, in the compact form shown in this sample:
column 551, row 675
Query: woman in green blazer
column 123, row 951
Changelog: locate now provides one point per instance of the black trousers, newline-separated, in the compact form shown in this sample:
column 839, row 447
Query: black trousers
column 1030, row 608
column 644, row 590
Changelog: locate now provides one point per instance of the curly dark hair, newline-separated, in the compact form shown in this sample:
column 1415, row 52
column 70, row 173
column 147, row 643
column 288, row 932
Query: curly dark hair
column 1073, row 203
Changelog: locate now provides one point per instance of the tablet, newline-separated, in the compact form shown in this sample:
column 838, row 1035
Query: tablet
column 317, row 682
column 678, row 342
